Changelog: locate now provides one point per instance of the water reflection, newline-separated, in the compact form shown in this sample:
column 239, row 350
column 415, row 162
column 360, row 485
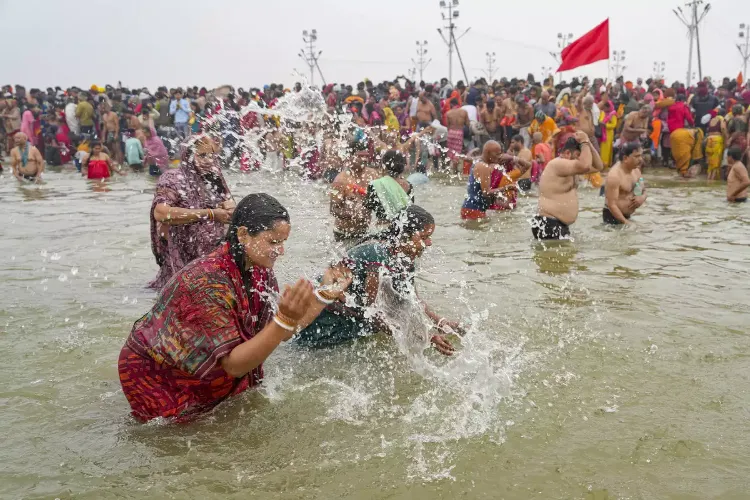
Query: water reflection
column 33, row 193
column 555, row 257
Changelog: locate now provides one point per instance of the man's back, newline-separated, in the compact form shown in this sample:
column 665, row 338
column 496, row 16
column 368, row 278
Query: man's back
column 457, row 118
column 558, row 196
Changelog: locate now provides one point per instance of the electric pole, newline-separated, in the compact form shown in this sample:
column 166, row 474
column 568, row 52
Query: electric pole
column 618, row 67
column 744, row 48
column 490, row 67
column 562, row 42
column 659, row 68
column 310, row 57
column 420, row 63
column 692, row 21
column 451, row 41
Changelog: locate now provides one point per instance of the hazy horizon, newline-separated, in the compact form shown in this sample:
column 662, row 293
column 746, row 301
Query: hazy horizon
column 244, row 44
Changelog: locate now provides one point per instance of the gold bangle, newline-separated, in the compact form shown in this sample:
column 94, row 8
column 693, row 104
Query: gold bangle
column 284, row 325
column 285, row 319
column 328, row 295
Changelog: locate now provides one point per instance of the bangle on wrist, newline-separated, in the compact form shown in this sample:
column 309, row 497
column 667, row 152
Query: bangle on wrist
column 440, row 322
column 285, row 319
column 289, row 328
column 322, row 298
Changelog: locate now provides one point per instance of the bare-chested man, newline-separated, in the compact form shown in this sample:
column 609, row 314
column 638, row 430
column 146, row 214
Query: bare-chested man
column 624, row 191
column 132, row 120
column 508, row 109
column 737, row 179
column 457, row 118
column 585, row 106
column 490, row 118
column 519, row 149
column 26, row 160
column 425, row 111
column 111, row 132
column 348, row 191
column 524, row 117
column 636, row 125
column 558, row 194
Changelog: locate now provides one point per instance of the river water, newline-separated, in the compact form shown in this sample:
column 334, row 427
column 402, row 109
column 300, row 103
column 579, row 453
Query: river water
column 613, row 366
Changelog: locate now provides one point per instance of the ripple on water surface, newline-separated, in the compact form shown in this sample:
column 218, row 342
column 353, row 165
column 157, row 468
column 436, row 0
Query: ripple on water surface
column 613, row 366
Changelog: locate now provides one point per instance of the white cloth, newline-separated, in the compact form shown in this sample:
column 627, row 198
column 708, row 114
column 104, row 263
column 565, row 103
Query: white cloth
column 413, row 107
column 70, row 118
column 472, row 110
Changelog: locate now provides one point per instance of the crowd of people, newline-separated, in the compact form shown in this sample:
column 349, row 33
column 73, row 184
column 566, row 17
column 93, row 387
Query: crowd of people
column 219, row 313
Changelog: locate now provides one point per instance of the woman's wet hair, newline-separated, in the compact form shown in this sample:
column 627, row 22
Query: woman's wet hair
column 409, row 221
column 394, row 163
column 257, row 212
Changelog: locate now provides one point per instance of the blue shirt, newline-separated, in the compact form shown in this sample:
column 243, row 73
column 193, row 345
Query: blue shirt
column 180, row 115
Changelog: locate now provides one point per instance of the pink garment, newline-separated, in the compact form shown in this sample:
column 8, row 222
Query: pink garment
column 155, row 152
column 677, row 114
column 184, row 187
column 607, row 119
column 27, row 126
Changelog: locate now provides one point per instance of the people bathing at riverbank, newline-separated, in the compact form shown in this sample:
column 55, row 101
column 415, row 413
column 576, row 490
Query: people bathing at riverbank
column 217, row 320
column 391, row 254
column 738, row 180
column 192, row 206
column 558, row 189
column 624, row 190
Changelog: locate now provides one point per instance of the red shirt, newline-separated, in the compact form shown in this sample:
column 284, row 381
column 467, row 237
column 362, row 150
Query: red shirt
column 677, row 113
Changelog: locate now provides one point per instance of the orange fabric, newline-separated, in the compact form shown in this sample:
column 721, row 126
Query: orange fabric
column 547, row 128
column 656, row 134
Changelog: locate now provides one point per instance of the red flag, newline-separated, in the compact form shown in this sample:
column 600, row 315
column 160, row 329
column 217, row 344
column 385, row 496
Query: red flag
column 591, row 47
column 740, row 79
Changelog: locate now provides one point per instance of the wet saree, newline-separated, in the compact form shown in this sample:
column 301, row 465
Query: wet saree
column 687, row 147
column 174, row 246
column 714, row 152
column 169, row 366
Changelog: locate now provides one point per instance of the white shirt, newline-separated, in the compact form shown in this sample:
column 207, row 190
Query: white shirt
column 70, row 118
column 472, row 111
column 413, row 107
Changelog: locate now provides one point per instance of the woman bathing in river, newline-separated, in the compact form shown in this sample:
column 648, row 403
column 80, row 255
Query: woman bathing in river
column 192, row 205
column 392, row 253
column 213, row 324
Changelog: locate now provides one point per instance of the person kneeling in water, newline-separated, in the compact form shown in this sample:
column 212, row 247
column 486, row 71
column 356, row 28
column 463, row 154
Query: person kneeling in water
column 558, row 195
column 624, row 191
column 392, row 253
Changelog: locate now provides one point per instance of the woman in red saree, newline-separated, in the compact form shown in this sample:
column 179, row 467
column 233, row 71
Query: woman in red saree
column 215, row 321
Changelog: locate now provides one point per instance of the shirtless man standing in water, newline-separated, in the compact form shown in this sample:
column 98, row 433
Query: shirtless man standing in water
column 636, row 125
column 348, row 191
column 737, row 179
column 624, row 191
column 457, row 118
column 26, row 160
column 558, row 194
column 111, row 132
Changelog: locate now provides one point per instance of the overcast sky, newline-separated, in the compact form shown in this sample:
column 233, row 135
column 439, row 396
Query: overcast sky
column 249, row 42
